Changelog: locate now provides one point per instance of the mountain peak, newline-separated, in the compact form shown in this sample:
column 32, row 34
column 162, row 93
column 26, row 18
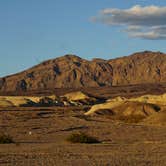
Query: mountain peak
column 70, row 57
column 71, row 71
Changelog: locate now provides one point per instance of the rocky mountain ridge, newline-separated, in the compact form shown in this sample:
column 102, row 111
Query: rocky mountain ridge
column 71, row 71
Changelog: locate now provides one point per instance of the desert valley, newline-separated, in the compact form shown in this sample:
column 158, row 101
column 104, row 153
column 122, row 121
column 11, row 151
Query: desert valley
column 48, row 111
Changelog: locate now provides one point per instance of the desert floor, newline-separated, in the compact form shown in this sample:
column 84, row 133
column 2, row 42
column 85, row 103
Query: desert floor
column 40, row 135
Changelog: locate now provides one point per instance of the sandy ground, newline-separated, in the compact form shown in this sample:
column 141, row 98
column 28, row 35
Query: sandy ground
column 40, row 135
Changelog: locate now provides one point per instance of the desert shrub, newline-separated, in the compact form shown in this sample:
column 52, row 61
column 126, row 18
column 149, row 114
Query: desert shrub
column 156, row 107
column 82, row 138
column 28, row 104
column 6, row 139
column 131, row 118
column 46, row 102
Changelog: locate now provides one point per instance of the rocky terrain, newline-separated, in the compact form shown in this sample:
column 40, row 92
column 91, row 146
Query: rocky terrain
column 131, row 131
column 71, row 71
column 133, row 109
column 120, row 102
column 139, row 68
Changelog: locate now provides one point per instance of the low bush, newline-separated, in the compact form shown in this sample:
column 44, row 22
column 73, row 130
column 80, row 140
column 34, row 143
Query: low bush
column 6, row 139
column 82, row 138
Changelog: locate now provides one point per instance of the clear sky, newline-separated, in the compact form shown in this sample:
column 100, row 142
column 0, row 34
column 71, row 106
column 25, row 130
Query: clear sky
column 32, row 31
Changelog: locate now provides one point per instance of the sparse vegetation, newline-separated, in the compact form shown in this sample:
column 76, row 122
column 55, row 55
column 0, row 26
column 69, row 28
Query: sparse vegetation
column 6, row 139
column 156, row 107
column 82, row 138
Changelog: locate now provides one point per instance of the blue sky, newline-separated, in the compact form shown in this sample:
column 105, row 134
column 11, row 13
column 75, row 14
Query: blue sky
column 32, row 31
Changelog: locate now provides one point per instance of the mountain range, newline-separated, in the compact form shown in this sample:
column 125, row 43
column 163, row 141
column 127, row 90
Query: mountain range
column 71, row 71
